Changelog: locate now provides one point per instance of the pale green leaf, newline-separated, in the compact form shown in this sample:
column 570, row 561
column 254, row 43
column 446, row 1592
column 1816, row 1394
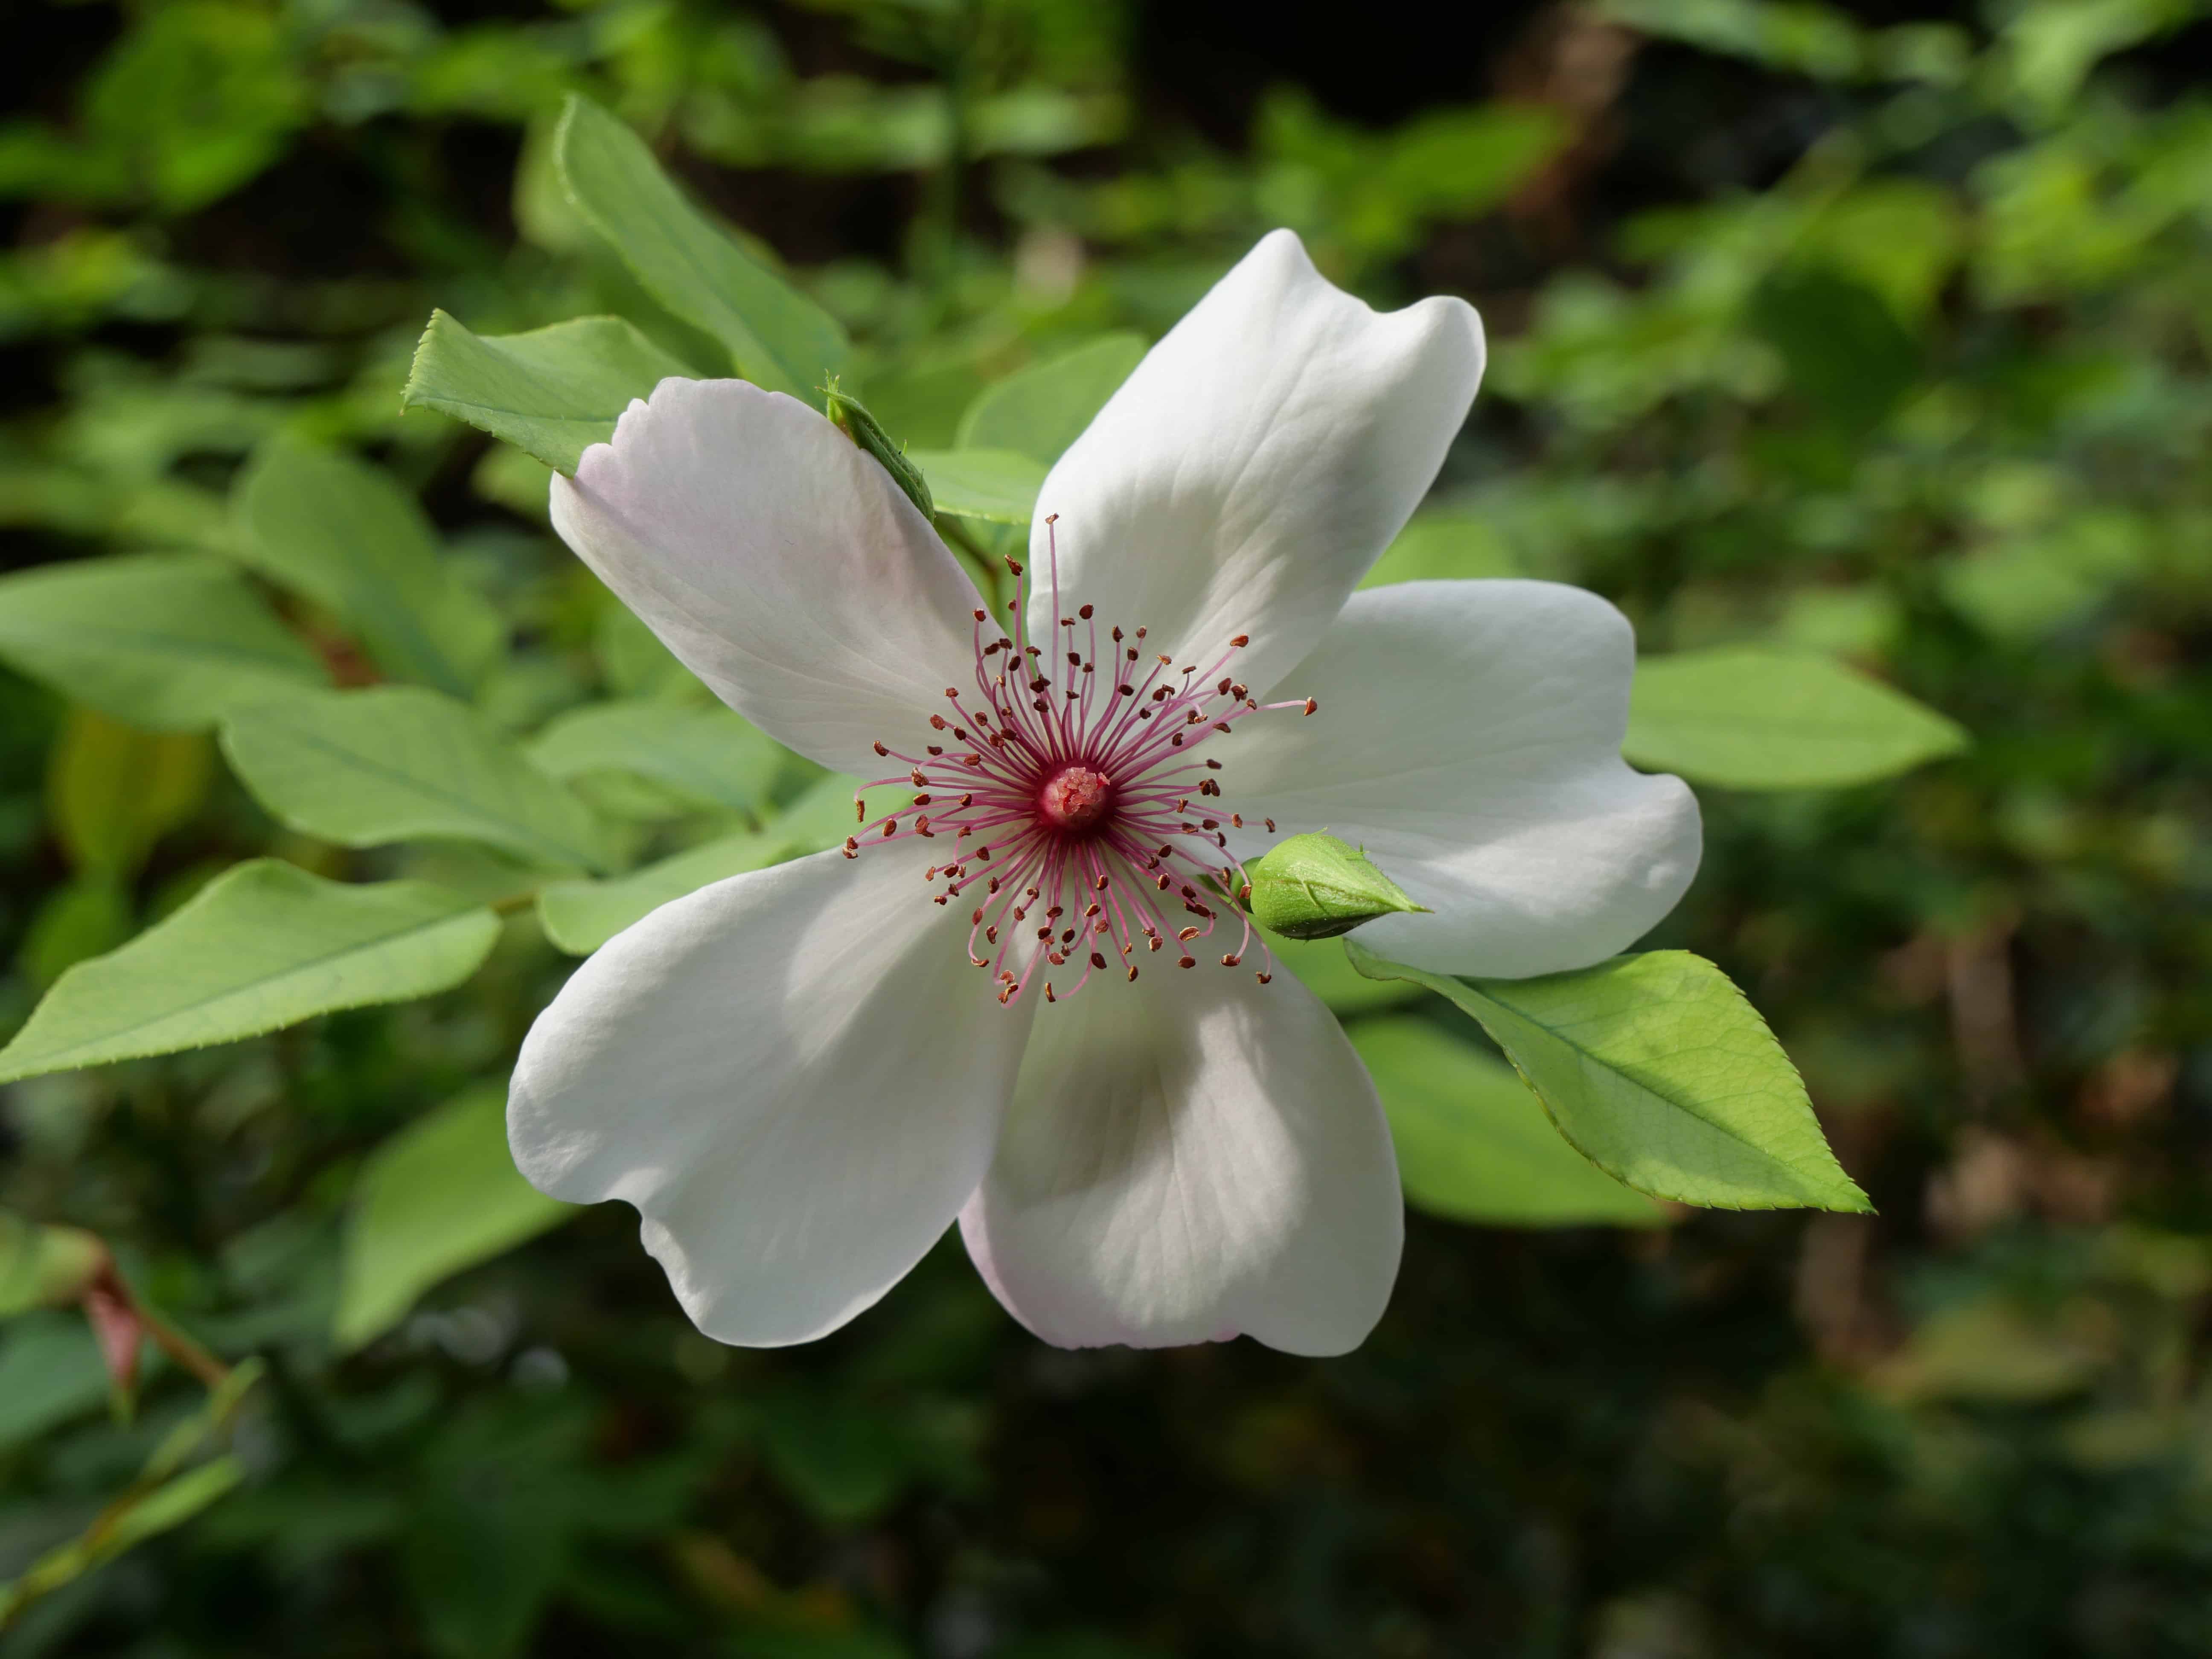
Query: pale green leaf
column 777, row 338
column 552, row 393
column 1656, row 1068
column 169, row 641
column 345, row 534
column 1751, row 719
column 708, row 754
column 579, row 916
column 1444, row 546
column 145, row 1516
column 1474, row 1145
column 400, row 763
column 1038, row 412
column 995, row 485
column 439, row 1196
column 262, row 945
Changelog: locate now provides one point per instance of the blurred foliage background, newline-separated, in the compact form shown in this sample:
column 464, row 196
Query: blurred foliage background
column 1878, row 330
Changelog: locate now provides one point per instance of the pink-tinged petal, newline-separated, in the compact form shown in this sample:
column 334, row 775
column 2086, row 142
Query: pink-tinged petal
column 1259, row 460
column 1186, row 1159
column 793, row 1074
column 778, row 561
column 1468, row 736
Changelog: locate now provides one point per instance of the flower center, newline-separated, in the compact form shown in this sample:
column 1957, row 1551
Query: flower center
column 1068, row 808
column 1076, row 800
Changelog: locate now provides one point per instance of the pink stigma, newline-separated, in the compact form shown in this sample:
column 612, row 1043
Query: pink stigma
column 1075, row 800
column 1075, row 811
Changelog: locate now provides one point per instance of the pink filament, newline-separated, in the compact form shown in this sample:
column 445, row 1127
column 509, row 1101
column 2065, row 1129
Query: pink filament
column 1077, row 811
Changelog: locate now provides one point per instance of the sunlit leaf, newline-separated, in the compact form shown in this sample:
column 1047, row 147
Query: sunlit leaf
column 1656, row 1069
column 346, row 536
column 579, row 916
column 1753, row 719
column 168, row 642
column 263, row 946
column 552, row 393
column 1038, row 412
column 1474, row 1145
column 399, row 764
column 995, row 485
column 439, row 1196
column 777, row 338
column 708, row 753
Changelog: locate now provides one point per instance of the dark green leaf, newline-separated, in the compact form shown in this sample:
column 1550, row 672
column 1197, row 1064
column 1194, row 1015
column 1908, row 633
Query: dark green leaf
column 1038, row 412
column 995, row 485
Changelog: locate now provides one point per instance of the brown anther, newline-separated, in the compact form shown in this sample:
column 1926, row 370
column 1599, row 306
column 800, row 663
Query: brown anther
column 922, row 828
column 890, row 827
column 937, row 721
column 1098, row 960
column 849, row 850
column 1221, row 725
column 1176, row 742
column 1152, row 940
column 1236, row 820
column 1209, row 824
column 1242, row 640
column 1075, row 659
column 1244, row 894
column 1161, row 695
column 1186, row 961
column 1099, row 926
column 1067, row 936
column 1125, row 690
column 1270, row 823
column 1186, row 934
column 1311, row 706
column 1199, row 910
column 1222, row 690
column 1238, row 692
column 1181, row 802
column 1048, row 996
column 944, row 898
column 934, row 748
column 976, row 919
column 952, row 691
column 1163, row 882
column 921, row 800
column 993, row 887
column 880, row 750
column 982, row 616
column 1264, row 979
column 1085, row 612
column 1140, row 633
column 1055, row 958
column 1044, row 933
column 991, row 934
column 1090, row 910
column 1117, row 636
column 1133, row 970
column 860, row 810
column 919, row 780
column 1014, row 565
column 967, row 800
column 1189, row 891
column 1132, row 653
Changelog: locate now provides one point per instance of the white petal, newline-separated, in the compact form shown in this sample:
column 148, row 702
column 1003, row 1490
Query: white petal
column 1188, row 1158
column 793, row 1074
column 1469, row 736
column 779, row 562
column 1258, row 461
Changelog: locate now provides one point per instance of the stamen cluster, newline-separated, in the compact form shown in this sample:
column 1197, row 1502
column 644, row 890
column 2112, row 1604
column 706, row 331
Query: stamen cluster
column 1067, row 804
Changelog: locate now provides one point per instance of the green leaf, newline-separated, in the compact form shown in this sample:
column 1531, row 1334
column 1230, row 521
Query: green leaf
column 1751, row 718
column 552, row 393
column 399, row 764
column 170, row 641
column 263, row 944
column 1656, row 1069
column 777, row 338
column 1315, row 887
column 439, row 1196
column 579, row 916
column 708, row 754
column 148, row 1515
column 1038, row 412
column 113, row 790
column 1444, row 546
column 1474, row 1145
column 1845, row 348
column 852, row 419
column 1323, row 968
column 995, row 485
column 346, row 536
column 49, row 1372
column 43, row 1266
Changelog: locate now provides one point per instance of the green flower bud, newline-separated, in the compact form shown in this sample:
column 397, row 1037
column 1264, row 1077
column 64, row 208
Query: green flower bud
column 1316, row 887
column 45, row 1266
column 847, row 415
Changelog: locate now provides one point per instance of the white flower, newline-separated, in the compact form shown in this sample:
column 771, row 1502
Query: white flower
column 797, row 1076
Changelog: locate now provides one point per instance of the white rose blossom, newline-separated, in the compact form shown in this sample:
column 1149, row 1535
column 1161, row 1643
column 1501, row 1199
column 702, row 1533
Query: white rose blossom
column 802, row 1076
